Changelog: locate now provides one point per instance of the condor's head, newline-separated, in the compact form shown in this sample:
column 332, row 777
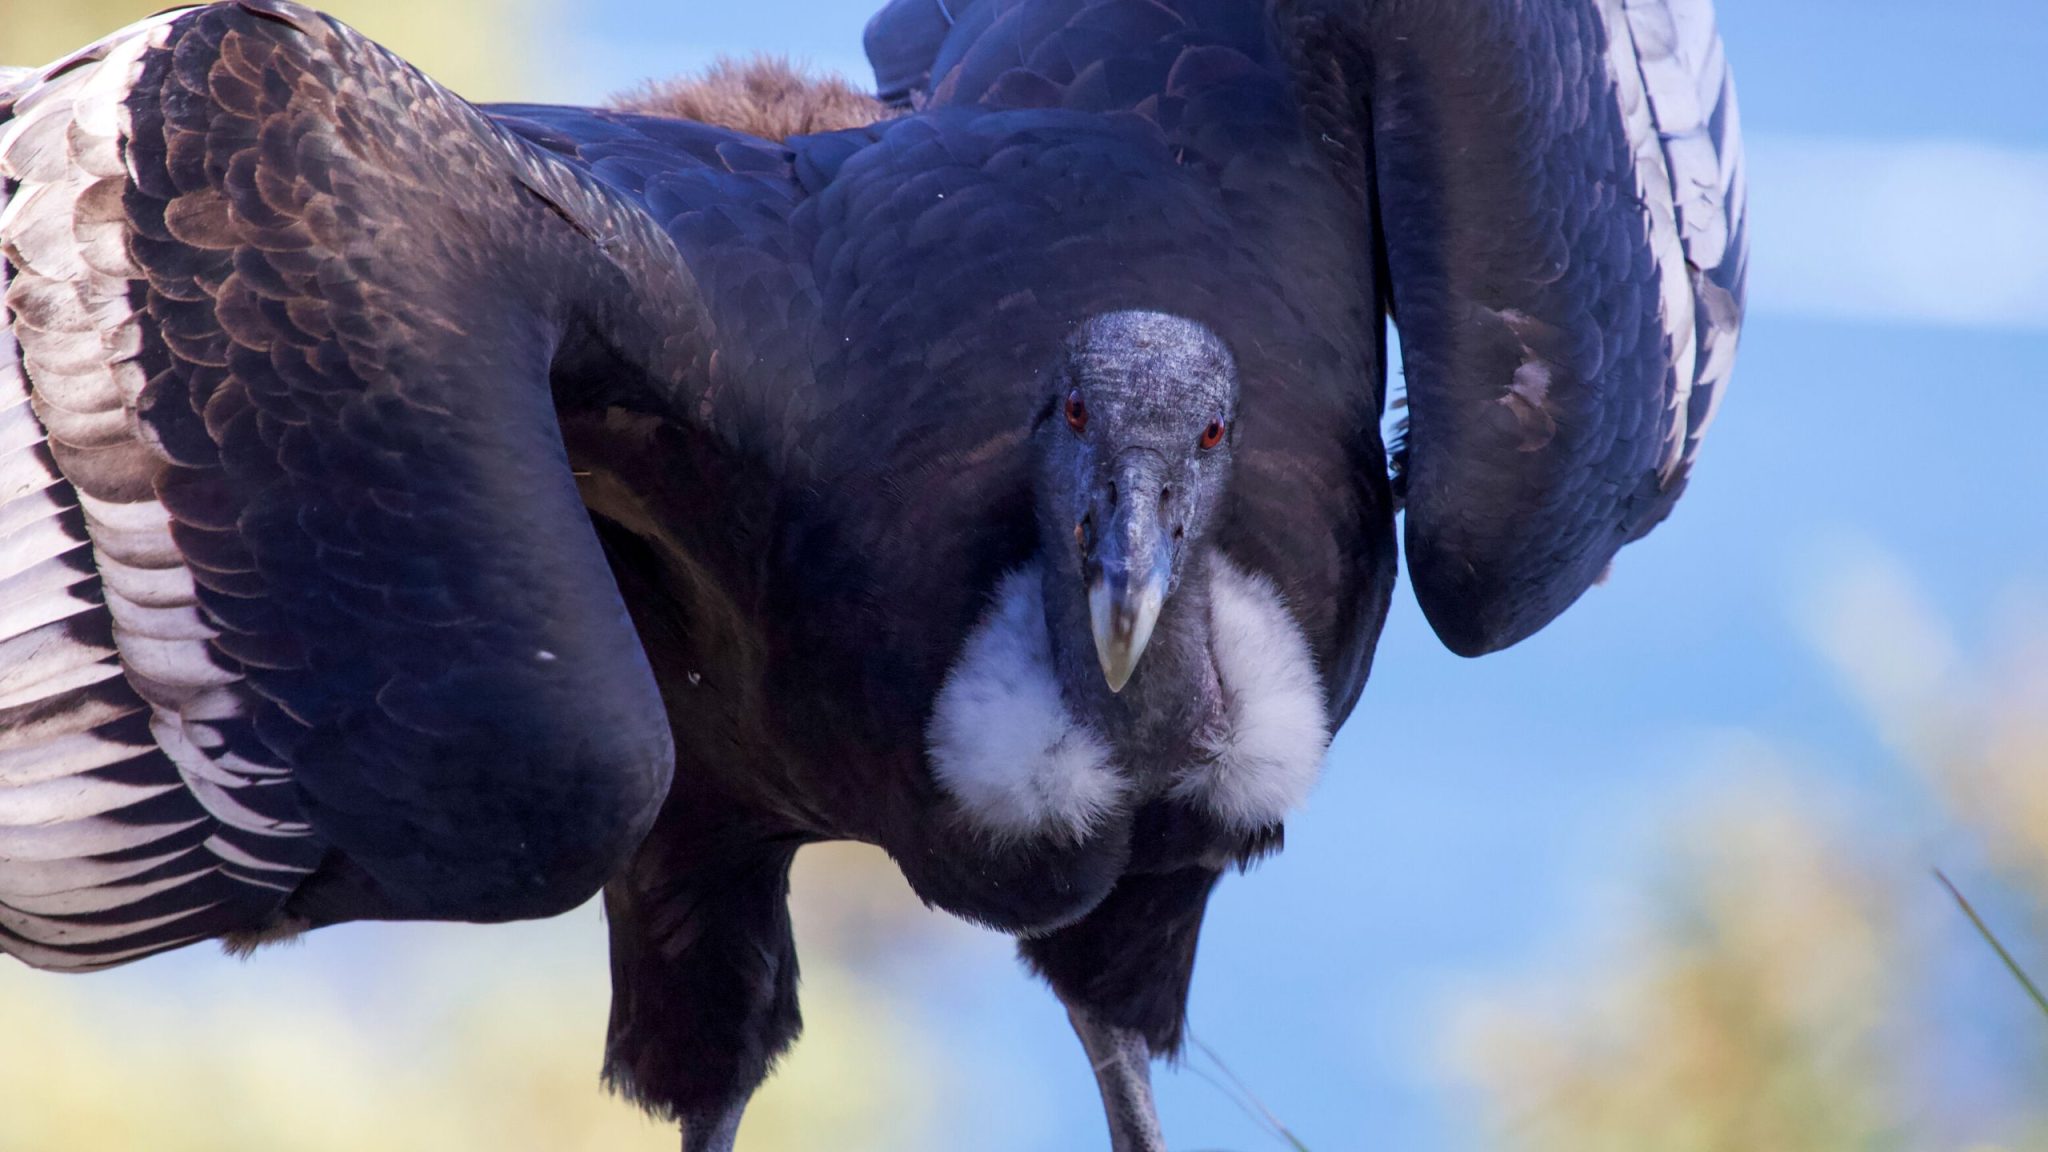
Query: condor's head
column 1134, row 659
column 1132, row 459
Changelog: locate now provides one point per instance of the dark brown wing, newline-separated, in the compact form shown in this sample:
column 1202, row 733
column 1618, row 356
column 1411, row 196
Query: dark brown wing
column 301, row 616
column 1562, row 186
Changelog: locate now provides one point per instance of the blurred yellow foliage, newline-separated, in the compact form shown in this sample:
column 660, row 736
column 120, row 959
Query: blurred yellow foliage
column 1746, row 1015
column 476, row 47
column 1770, row 991
column 1978, row 736
column 439, row 1038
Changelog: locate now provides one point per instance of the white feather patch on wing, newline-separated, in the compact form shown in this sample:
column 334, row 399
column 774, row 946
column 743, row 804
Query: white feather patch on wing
column 69, row 769
column 1267, row 753
column 34, row 878
column 1692, row 92
column 1678, row 99
column 1654, row 189
column 64, row 960
column 65, row 237
column 1001, row 739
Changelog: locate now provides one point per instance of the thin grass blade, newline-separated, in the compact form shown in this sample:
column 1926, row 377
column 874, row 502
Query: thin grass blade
column 1245, row 1098
column 1991, row 938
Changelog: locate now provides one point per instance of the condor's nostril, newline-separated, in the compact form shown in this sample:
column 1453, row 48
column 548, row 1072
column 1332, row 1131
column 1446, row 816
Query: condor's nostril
column 1112, row 493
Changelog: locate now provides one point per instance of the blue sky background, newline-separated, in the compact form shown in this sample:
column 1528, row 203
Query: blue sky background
column 1476, row 815
column 1888, row 397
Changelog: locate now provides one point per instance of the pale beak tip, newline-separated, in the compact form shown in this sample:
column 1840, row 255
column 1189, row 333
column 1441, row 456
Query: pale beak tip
column 1116, row 673
column 1123, row 627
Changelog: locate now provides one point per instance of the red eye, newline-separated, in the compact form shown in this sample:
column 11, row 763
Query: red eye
column 1077, row 411
column 1213, row 434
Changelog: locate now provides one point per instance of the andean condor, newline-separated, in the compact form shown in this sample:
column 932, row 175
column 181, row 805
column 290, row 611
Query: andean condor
column 417, row 510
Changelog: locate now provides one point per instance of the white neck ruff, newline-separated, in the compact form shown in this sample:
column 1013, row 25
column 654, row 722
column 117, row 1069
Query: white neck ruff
column 1018, row 762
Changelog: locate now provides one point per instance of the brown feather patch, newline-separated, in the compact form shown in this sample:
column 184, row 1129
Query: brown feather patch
column 765, row 96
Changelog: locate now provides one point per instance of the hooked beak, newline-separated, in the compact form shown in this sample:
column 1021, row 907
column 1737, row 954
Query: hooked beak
column 1123, row 617
column 1134, row 565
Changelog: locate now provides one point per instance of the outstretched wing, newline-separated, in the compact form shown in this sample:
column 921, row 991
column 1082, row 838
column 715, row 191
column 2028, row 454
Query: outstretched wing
column 1557, row 187
column 1564, row 204
column 301, row 616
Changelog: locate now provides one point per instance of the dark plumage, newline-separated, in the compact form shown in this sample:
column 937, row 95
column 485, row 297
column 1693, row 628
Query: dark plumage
column 414, row 510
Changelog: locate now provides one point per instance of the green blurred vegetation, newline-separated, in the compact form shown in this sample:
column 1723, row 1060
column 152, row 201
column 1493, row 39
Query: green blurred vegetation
column 1781, row 975
column 446, row 1038
column 480, row 48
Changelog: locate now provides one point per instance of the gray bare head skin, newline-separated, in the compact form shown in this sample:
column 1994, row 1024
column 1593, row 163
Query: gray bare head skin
column 1132, row 461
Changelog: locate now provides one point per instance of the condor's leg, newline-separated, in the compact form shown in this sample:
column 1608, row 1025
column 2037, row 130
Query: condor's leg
column 704, row 975
column 1123, row 973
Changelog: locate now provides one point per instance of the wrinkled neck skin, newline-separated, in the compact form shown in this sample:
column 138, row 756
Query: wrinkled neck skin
column 1156, row 723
